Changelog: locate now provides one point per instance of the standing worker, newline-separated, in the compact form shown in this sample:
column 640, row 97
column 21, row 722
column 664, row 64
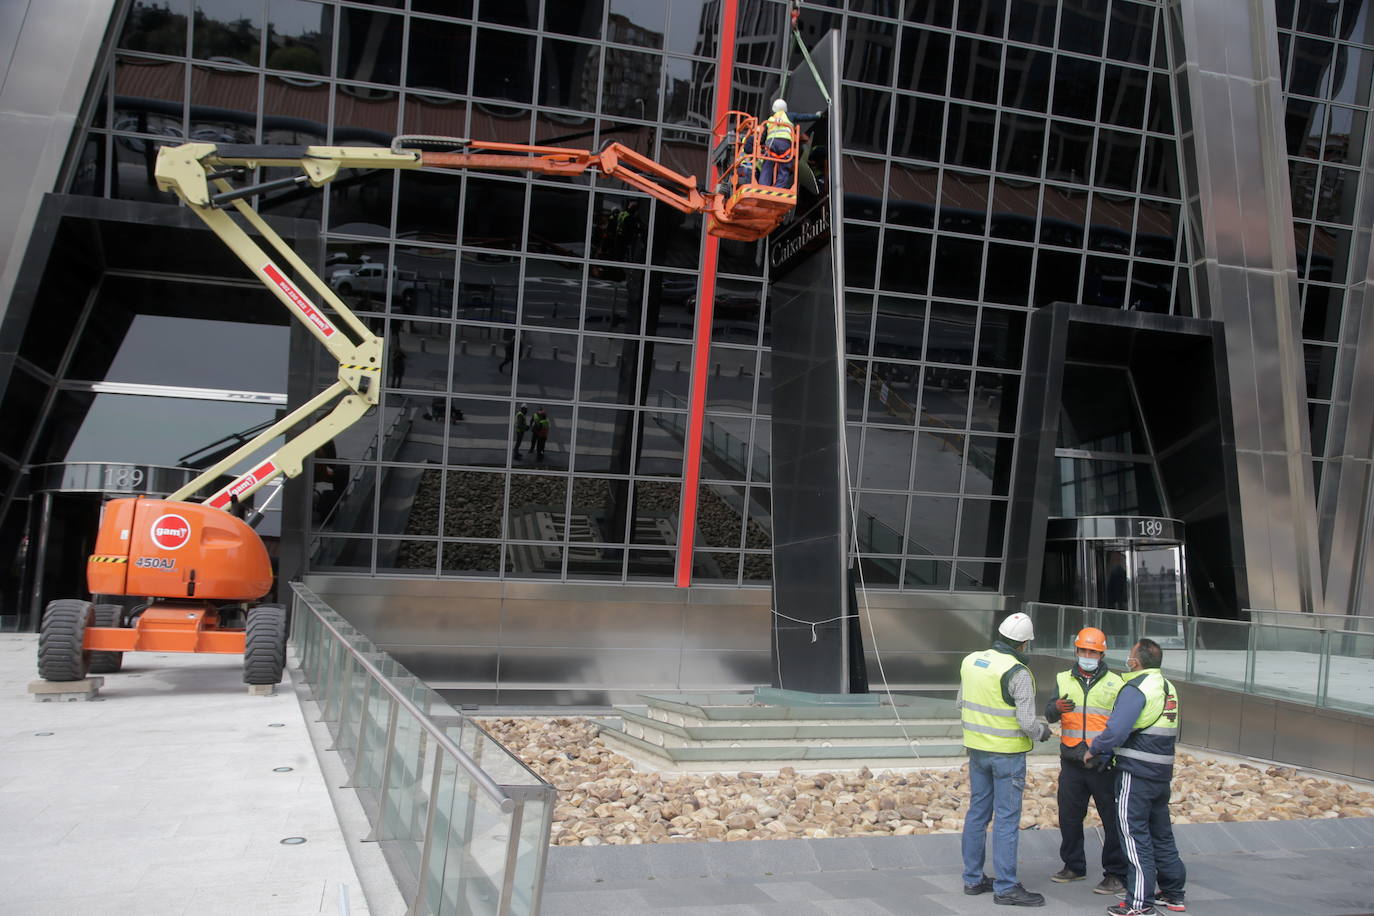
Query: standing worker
column 997, row 706
column 777, row 140
column 540, row 425
column 1082, row 702
column 1142, row 732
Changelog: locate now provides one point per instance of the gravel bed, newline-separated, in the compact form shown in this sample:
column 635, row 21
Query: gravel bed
column 603, row 799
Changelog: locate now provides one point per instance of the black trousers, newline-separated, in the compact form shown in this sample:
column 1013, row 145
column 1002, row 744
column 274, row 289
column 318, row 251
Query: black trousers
column 1077, row 784
column 1143, row 806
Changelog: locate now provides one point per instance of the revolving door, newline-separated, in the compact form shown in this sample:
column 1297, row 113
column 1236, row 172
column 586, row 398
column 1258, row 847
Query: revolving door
column 1116, row 562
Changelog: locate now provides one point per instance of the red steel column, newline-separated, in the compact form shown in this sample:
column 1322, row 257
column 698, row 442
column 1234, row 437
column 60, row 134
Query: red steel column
column 706, row 303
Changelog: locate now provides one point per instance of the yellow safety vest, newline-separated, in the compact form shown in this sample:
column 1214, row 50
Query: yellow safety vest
column 1155, row 731
column 779, row 125
column 989, row 720
column 1093, row 706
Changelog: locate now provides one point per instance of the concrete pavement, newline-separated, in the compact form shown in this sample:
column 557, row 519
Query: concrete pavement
column 1272, row 868
column 163, row 797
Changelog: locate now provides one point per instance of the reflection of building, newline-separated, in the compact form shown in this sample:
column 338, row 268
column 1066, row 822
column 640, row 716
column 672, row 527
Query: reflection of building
column 992, row 166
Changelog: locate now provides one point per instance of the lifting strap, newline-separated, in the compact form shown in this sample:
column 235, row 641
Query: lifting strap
column 806, row 56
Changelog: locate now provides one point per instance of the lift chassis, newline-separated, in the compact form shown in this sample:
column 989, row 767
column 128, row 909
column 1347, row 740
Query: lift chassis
column 197, row 567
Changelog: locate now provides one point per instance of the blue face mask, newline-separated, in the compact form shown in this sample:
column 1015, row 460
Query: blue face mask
column 1088, row 664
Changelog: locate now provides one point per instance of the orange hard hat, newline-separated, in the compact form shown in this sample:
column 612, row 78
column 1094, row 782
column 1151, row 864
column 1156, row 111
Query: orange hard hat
column 1091, row 638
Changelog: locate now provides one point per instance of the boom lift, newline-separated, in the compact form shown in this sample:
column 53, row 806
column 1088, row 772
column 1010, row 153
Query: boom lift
column 200, row 564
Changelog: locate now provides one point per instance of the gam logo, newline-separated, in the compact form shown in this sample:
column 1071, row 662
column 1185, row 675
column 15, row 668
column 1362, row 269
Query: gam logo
column 170, row 532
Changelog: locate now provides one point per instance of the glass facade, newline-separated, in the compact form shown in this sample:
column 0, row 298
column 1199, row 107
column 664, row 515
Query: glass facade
column 1326, row 51
column 997, row 157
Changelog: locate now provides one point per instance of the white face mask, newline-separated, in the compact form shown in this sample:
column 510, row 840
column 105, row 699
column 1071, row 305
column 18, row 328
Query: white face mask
column 1088, row 664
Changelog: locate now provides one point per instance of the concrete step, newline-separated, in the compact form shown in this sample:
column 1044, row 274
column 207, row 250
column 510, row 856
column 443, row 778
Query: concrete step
column 705, row 709
column 802, row 758
column 720, row 758
column 734, row 731
column 780, row 732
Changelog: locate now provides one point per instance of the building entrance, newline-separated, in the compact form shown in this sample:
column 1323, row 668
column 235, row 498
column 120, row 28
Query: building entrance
column 1126, row 563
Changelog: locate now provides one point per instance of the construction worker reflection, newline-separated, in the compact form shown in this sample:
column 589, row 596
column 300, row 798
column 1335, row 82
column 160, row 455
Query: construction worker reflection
column 539, row 428
column 627, row 228
column 510, row 351
column 777, row 140
column 522, row 424
column 397, row 365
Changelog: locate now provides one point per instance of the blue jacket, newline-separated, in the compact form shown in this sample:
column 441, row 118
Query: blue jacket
column 1121, row 725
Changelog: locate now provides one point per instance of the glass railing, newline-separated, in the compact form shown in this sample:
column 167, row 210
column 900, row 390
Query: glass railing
column 716, row 440
column 1330, row 666
column 463, row 822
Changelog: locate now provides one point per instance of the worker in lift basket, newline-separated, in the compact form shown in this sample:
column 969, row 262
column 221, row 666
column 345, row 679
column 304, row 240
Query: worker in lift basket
column 777, row 140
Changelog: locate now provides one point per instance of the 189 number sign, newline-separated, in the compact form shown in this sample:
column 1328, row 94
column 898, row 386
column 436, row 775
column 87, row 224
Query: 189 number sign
column 123, row 477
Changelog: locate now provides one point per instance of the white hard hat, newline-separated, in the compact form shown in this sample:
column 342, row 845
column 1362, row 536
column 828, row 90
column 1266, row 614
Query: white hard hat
column 1017, row 628
column 780, row 104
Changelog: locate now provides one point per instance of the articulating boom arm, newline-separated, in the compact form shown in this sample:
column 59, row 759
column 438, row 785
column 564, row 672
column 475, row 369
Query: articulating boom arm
column 200, row 174
column 744, row 211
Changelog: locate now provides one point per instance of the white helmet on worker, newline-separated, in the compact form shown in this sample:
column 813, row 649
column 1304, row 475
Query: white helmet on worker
column 1017, row 628
column 780, row 104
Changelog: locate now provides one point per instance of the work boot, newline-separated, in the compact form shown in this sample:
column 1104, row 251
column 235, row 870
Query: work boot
column 1125, row 909
column 982, row 887
column 1171, row 902
column 1065, row 875
column 1019, row 896
column 1110, row 884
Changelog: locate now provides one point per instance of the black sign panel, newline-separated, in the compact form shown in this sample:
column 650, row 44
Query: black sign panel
column 799, row 238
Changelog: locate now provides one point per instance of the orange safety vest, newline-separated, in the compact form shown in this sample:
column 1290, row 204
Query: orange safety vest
column 1092, row 706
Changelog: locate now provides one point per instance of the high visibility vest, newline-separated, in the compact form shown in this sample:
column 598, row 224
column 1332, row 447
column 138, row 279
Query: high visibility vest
column 1091, row 709
column 779, row 125
column 1149, row 750
column 989, row 720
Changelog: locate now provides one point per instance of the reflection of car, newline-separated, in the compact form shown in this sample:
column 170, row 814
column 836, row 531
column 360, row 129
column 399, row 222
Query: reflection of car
column 678, row 288
column 370, row 280
column 339, row 272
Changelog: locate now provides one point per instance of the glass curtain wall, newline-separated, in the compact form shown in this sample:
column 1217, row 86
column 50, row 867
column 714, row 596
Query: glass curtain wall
column 1327, row 54
column 997, row 157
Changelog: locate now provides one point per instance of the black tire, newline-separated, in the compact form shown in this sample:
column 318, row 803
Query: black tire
column 264, row 649
column 61, row 656
column 108, row 615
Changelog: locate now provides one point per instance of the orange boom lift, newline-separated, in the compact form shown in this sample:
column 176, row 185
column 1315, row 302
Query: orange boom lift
column 199, row 565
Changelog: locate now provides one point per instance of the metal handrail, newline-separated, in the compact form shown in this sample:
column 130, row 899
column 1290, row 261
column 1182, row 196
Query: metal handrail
column 1314, row 620
column 501, row 795
column 363, row 695
column 1252, row 642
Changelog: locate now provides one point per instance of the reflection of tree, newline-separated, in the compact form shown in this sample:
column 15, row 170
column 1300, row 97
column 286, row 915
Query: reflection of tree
column 238, row 38
column 299, row 57
column 156, row 29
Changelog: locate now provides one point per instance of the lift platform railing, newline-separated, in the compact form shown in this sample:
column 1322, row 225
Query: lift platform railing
column 464, row 824
column 1329, row 666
